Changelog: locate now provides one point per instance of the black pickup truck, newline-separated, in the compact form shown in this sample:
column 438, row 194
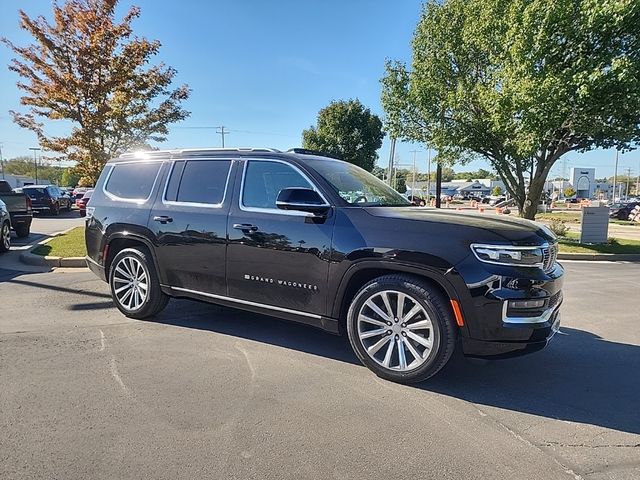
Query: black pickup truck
column 323, row 242
column 19, row 206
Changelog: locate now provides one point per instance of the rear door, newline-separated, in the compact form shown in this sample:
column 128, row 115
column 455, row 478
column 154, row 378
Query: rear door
column 189, row 221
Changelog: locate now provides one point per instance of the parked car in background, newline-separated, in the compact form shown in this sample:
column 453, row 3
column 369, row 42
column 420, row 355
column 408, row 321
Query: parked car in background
column 18, row 205
column 78, row 193
column 47, row 198
column 5, row 228
column 81, row 203
column 621, row 211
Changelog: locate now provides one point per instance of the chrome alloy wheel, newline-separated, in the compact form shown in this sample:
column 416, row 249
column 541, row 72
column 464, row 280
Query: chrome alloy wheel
column 395, row 330
column 130, row 283
column 6, row 236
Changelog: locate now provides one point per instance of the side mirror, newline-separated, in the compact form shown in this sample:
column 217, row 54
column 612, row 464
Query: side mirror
column 301, row 199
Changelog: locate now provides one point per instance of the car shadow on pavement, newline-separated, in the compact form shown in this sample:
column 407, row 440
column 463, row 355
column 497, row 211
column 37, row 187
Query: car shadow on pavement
column 580, row 377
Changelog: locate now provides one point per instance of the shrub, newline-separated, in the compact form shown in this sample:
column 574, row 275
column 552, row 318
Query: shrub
column 558, row 227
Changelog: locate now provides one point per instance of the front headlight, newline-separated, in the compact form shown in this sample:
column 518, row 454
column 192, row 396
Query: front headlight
column 509, row 255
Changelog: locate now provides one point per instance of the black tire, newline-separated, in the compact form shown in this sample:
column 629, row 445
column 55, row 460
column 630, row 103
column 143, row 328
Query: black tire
column 5, row 237
column 22, row 231
column 55, row 210
column 155, row 300
column 443, row 334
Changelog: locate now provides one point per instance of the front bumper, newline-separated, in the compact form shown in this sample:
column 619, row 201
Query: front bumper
column 495, row 329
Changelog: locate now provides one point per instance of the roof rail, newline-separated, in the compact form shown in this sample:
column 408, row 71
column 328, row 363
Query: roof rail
column 194, row 151
column 307, row 151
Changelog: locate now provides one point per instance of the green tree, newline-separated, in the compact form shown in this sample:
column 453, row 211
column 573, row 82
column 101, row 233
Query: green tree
column 346, row 129
column 569, row 192
column 87, row 68
column 379, row 172
column 69, row 178
column 520, row 84
column 447, row 174
column 497, row 191
column 401, row 184
column 480, row 173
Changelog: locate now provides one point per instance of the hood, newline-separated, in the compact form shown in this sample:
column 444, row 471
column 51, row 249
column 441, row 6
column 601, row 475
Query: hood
column 508, row 229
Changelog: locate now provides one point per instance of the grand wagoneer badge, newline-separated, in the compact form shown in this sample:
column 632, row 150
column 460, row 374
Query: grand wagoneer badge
column 280, row 282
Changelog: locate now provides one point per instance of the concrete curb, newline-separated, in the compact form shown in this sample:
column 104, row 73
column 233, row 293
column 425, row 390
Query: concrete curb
column 48, row 261
column 601, row 257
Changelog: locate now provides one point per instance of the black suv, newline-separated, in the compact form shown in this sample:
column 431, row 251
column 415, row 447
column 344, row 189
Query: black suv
column 322, row 242
column 48, row 198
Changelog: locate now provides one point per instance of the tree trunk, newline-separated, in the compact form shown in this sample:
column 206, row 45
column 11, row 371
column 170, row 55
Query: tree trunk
column 530, row 207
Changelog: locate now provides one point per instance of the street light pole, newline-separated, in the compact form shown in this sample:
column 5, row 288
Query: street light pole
column 35, row 161
column 413, row 181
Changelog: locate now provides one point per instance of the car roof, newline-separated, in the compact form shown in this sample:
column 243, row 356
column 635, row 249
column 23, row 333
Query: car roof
column 37, row 186
column 299, row 154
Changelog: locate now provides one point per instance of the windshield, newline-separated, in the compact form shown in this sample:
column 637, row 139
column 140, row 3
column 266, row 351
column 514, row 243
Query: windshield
column 357, row 186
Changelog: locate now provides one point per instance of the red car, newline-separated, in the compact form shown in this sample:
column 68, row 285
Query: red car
column 81, row 203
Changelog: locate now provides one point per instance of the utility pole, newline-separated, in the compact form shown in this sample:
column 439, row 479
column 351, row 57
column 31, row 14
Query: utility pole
column 35, row 160
column 615, row 178
column 1, row 161
column 392, row 153
column 222, row 133
column 438, row 185
column 413, row 181
column 429, row 177
column 626, row 193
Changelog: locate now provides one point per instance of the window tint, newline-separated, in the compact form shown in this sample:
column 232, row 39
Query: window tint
column 132, row 180
column 264, row 180
column 198, row 181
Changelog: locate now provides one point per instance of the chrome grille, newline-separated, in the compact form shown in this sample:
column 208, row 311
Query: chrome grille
column 549, row 256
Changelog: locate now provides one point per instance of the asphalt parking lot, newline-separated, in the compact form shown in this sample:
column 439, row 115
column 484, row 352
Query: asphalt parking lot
column 208, row 392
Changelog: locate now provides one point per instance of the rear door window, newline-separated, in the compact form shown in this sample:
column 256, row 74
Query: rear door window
column 202, row 182
column 132, row 181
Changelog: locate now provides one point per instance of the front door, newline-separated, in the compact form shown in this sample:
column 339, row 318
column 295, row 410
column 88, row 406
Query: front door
column 189, row 221
column 276, row 257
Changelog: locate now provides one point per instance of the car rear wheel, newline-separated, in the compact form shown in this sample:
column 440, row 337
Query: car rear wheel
column 135, row 286
column 22, row 231
column 5, row 237
column 401, row 328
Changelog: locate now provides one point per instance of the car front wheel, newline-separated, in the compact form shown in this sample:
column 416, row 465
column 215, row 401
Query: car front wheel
column 135, row 286
column 401, row 328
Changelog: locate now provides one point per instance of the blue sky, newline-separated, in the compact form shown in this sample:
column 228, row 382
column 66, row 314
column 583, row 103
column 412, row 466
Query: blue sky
column 264, row 69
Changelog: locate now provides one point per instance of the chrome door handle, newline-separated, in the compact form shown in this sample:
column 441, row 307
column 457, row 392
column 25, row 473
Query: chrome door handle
column 163, row 219
column 245, row 227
